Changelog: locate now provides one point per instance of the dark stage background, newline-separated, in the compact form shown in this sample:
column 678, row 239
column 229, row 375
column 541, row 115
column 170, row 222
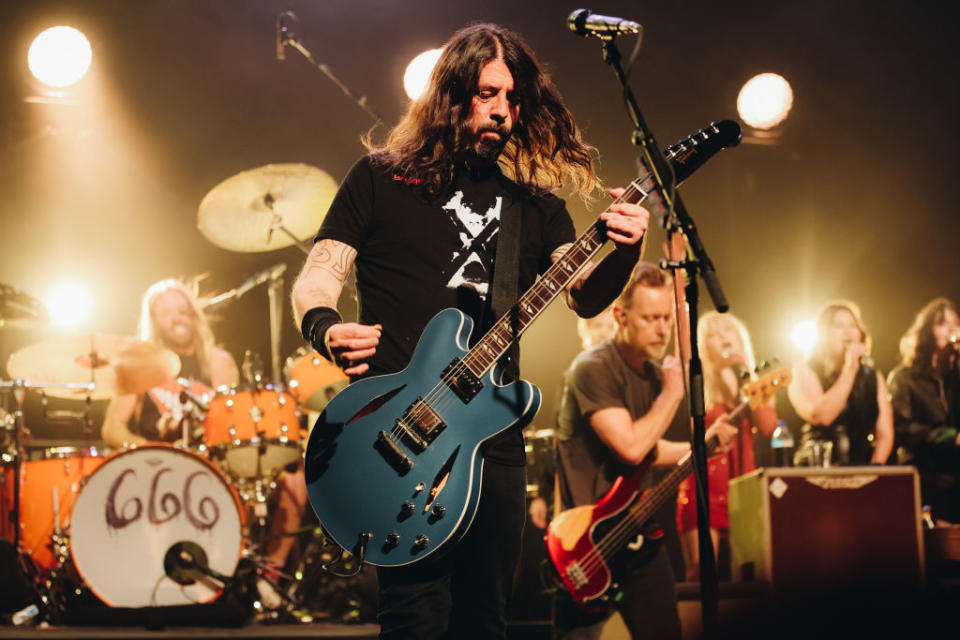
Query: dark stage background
column 857, row 200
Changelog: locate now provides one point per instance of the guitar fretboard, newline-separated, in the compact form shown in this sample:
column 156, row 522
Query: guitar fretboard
column 551, row 284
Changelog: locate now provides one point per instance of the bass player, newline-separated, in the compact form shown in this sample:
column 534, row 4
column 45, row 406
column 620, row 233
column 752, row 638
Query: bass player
column 617, row 405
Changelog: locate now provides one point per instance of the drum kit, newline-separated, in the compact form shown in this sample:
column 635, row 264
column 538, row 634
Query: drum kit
column 163, row 524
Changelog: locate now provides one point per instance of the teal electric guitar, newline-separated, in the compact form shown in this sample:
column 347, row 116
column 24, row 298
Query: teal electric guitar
column 394, row 463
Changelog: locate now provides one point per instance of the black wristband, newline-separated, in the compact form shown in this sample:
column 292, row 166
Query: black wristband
column 314, row 327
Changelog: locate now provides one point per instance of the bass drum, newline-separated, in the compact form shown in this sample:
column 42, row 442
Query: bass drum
column 137, row 510
column 48, row 490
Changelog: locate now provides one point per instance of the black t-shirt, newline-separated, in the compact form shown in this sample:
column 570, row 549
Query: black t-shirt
column 164, row 399
column 417, row 256
column 599, row 378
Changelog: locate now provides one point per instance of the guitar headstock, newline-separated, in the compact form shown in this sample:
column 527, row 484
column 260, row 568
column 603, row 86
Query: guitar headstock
column 689, row 154
column 758, row 392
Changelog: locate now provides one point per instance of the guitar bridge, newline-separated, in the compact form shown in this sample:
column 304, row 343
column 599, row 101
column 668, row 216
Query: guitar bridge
column 461, row 380
column 576, row 574
column 420, row 425
column 392, row 453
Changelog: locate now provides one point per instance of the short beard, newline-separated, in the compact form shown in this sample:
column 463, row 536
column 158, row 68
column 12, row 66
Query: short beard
column 487, row 151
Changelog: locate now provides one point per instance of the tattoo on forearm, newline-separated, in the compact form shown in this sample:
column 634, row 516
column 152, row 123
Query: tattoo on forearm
column 330, row 256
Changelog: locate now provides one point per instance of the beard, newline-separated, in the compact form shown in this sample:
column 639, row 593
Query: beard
column 486, row 148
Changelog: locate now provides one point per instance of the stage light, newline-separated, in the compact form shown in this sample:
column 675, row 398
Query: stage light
column 69, row 304
column 59, row 57
column 765, row 101
column 417, row 75
column 803, row 335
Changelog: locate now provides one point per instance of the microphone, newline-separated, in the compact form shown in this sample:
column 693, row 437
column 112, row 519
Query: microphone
column 186, row 562
column 584, row 22
column 865, row 359
column 270, row 273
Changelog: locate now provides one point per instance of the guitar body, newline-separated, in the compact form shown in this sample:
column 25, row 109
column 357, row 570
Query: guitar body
column 366, row 477
column 578, row 541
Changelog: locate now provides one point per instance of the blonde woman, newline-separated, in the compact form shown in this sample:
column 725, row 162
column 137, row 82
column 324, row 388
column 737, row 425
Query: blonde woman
column 727, row 355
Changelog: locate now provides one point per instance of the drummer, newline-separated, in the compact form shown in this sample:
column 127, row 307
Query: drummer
column 172, row 317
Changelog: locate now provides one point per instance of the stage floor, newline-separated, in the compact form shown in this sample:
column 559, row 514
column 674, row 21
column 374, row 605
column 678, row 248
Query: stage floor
column 249, row 632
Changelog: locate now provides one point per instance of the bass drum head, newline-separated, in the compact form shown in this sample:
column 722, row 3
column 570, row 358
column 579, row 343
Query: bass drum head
column 138, row 505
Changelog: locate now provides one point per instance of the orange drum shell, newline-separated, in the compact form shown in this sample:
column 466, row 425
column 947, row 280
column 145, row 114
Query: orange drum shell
column 310, row 372
column 277, row 411
column 38, row 478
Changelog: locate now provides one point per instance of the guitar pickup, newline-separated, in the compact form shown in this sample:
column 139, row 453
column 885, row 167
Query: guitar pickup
column 462, row 380
column 393, row 454
column 409, row 433
column 420, row 424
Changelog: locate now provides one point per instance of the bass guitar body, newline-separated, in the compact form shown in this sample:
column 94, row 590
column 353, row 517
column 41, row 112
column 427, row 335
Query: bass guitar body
column 580, row 541
column 394, row 463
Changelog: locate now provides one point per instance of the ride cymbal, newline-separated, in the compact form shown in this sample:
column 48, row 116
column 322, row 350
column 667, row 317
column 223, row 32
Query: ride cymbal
column 117, row 364
column 267, row 208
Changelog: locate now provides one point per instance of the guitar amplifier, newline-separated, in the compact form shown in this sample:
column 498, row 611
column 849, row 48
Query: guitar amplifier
column 800, row 528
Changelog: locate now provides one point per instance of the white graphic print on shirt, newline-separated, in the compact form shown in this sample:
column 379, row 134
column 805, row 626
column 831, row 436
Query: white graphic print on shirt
column 477, row 233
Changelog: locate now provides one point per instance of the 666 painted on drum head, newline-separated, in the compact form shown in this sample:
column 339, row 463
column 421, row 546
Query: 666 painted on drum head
column 137, row 505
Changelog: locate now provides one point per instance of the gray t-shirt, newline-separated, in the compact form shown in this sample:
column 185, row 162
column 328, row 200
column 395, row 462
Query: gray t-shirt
column 599, row 378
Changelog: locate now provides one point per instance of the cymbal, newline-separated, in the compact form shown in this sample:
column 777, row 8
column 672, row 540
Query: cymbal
column 243, row 212
column 117, row 364
column 20, row 310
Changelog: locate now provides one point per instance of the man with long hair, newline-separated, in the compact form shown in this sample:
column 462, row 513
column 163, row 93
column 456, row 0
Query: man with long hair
column 925, row 388
column 170, row 316
column 421, row 218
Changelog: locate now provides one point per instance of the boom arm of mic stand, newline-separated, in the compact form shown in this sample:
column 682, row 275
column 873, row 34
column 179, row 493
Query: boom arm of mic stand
column 361, row 101
column 655, row 162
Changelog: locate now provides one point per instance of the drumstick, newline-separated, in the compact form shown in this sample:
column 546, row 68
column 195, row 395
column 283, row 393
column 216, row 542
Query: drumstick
column 56, row 509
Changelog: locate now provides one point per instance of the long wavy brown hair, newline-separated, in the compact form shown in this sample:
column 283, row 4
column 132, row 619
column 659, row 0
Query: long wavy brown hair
column 918, row 344
column 545, row 150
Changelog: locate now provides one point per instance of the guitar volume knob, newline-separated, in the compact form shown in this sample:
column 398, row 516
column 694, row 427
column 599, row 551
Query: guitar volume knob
column 393, row 539
column 439, row 510
column 407, row 508
column 421, row 541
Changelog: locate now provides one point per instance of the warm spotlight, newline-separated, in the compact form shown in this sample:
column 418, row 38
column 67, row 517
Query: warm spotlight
column 69, row 304
column 803, row 335
column 417, row 75
column 765, row 101
column 60, row 56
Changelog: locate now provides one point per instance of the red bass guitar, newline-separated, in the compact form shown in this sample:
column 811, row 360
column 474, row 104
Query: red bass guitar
column 590, row 545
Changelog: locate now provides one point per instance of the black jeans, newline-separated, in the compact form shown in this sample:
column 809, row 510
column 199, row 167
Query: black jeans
column 464, row 593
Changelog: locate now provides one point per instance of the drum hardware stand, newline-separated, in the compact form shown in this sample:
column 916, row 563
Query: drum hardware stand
column 190, row 404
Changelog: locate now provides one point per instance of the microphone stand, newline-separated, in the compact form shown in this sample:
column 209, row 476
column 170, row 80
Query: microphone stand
column 678, row 219
column 288, row 38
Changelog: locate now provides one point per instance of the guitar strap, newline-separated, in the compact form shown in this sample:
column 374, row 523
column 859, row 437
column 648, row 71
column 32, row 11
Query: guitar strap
column 506, row 270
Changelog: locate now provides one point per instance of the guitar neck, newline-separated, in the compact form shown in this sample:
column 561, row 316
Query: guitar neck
column 550, row 285
column 655, row 497
column 684, row 158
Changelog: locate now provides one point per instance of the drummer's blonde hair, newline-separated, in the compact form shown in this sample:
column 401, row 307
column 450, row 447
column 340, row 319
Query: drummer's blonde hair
column 203, row 335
